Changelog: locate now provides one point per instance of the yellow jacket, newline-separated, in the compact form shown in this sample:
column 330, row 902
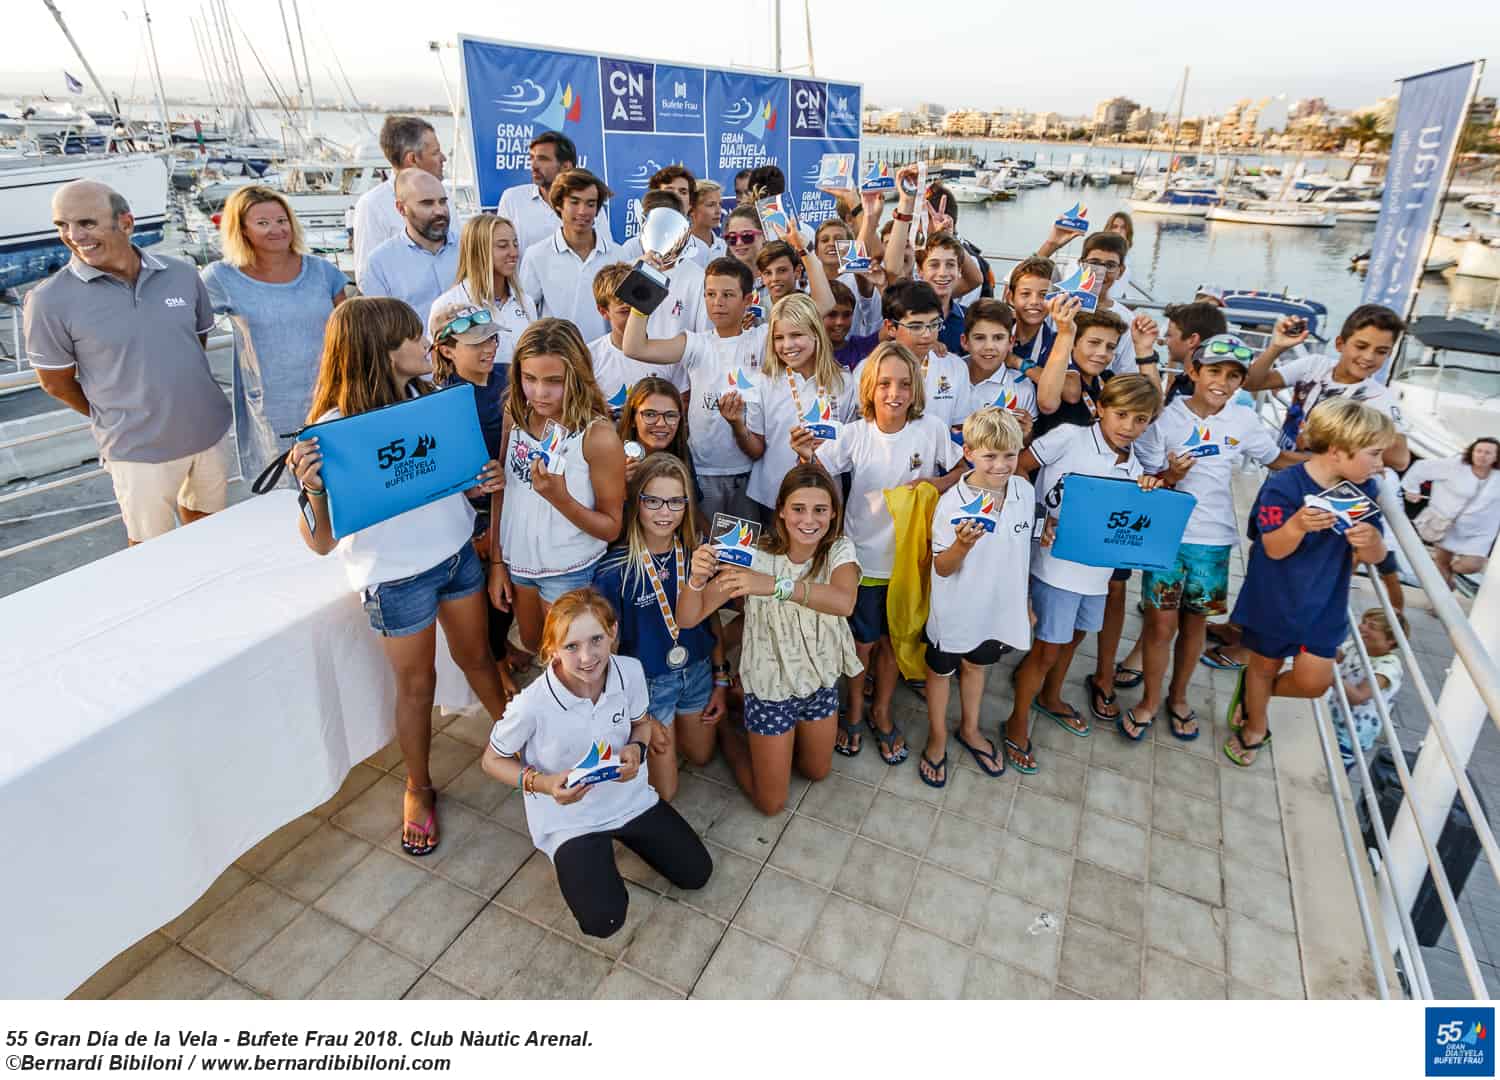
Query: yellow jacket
column 906, row 600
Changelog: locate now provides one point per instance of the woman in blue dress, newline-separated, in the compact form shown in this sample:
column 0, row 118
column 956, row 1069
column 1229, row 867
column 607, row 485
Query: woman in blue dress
column 278, row 299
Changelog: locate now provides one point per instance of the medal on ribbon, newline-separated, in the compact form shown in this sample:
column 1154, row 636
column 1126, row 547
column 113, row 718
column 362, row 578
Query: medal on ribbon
column 677, row 655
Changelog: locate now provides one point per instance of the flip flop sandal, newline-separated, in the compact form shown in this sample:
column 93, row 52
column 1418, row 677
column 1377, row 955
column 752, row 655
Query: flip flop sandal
column 1235, row 699
column 1238, row 755
column 418, row 850
column 850, row 733
column 1096, row 696
column 1027, row 763
column 1217, row 659
column 1132, row 678
column 980, row 755
column 1141, row 726
column 884, row 739
column 1062, row 719
column 1176, row 721
column 937, row 767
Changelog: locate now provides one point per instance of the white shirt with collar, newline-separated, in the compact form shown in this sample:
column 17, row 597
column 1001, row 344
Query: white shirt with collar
column 1218, row 443
column 617, row 373
column 376, row 220
column 1005, row 383
column 562, row 285
column 775, row 410
column 1123, row 362
column 552, row 730
column 1072, row 448
column 532, row 216
column 945, row 381
column 703, row 254
column 513, row 315
column 682, row 310
column 986, row 599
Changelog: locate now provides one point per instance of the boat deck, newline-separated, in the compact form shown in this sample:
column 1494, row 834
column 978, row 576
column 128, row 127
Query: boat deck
column 1119, row 870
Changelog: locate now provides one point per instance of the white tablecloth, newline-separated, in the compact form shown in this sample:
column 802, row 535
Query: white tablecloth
column 165, row 709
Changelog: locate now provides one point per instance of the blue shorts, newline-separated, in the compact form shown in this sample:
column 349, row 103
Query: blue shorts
column 1198, row 581
column 684, row 691
column 868, row 622
column 410, row 605
column 1279, row 649
column 1061, row 612
column 556, row 585
column 779, row 717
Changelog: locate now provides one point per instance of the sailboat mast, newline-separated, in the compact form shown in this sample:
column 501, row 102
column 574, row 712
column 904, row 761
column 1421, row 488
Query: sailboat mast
column 161, row 90
column 286, row 31
column 87, row 67
column 807, row 22
column 776, row 33
column 1177, row 127
column 312, row 98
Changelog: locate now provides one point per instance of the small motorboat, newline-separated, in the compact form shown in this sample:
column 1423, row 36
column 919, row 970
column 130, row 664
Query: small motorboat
column 1484, row 200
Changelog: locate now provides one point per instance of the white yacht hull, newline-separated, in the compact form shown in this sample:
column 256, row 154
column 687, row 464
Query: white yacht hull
column 1151, row 206
column 1304, row 219
column 1477, row 258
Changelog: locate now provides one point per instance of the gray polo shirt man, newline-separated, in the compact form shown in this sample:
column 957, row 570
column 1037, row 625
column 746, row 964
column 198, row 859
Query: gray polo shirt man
column 402, row 268
column 137, row 355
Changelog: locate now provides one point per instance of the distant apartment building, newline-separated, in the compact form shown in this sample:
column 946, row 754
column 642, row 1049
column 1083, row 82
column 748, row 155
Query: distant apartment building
column 930, row 114
column 1046, row 123
column 968, row 122
column 1112, row 116
column 1306, row 109
column 897, row 121
column 1142, row 121
column 1483, row 113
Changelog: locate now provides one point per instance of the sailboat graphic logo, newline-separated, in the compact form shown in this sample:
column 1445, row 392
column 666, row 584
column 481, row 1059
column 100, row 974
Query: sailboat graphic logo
column 764, row 120
column 617, row 400
column 566, row 107
column 738, row 380
column 1007, row 399
column 980, row 510
column 1200, row 442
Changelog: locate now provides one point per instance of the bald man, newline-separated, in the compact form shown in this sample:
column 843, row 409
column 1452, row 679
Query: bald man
column 118, row 335
column 421, row 262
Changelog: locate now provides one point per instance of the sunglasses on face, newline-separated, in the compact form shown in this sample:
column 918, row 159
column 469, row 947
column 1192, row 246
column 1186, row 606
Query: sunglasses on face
column 676, row 503
column 738, row 238
column 471, row 318
column 1224, row 348
column 651, row 416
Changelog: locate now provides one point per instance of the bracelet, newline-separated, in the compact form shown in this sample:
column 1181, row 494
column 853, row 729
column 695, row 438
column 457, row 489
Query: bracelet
column 314, row 491
column 722, row 669
column 722, row 682
column 783, row 589
column 695, row 588
column 521, row 780
column 637, row 742
column 899, row 216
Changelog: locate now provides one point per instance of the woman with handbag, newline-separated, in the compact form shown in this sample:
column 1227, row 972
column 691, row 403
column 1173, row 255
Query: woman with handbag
column 1462, row 515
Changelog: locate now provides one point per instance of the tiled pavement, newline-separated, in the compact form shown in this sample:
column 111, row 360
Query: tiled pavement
column 1119, row 870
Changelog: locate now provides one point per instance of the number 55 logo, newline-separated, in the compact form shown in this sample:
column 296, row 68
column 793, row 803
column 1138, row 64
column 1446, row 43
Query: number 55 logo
column 1450, row 1032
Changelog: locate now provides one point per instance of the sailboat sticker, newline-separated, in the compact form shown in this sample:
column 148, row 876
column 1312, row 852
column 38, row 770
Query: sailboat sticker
column 980, row 509
column 1083, row 284
column 734, row 539
column 597, row 766
column 1074, row 219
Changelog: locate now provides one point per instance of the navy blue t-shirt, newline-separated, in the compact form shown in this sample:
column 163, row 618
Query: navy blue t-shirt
column 643, row 632
column 1034, row 353
column 952, row 333
column 1302, row 599
column 489, row 403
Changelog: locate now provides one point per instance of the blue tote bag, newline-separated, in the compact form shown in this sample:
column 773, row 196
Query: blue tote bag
column 1109, row 522
column 387, row 461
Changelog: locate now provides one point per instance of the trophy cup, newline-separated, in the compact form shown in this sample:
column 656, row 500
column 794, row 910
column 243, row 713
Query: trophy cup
column 664, row 234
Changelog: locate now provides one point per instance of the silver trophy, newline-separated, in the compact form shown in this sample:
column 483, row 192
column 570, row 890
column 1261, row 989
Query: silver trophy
column 664, row 234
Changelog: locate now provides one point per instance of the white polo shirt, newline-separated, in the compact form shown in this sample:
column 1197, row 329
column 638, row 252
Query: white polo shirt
column 703, row 254
column 532, row 216
column 773, row 414
column 944, row 381
column 683, row 308
column 552, row 730
column 617, row 373
column 1071, row 448
column 1123, row 362
column 1219, row 442
column 376, row 220
column 875, row 461
column 562, row 285
column 708, row 363
column 1004, row 384
column 986, row 599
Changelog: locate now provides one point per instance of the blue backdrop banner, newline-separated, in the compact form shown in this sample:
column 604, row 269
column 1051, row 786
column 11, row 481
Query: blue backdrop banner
column 1429, row 121
column 629, row 117
column 1107, row 522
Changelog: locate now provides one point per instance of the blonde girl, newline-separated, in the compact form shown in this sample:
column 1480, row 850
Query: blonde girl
column 414, row 569
column 687, row 695
column 488, row 254
column 556, row 521
column 797, row 374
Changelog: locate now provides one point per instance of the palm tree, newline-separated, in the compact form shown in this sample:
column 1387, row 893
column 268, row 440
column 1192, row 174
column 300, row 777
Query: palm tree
column 1362, row 130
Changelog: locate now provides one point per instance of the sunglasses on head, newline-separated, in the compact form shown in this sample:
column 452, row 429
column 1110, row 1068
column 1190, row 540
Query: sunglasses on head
column 473, row 317
column 1224, row 348
column 741, row 237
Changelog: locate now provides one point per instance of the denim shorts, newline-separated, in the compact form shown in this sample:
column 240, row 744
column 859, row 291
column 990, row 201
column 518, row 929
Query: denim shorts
column 1198, row 581
column 555, row 585
column 1061, row 612
column 779, row 717
column 410, row 605
column 684, row 691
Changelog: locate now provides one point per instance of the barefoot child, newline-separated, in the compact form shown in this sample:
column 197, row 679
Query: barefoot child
column 800, row 592
column 893, row 444
column 414, row 569
column 642, row 578
column 1068, row 597
column 979, row 576
column 1294, row 601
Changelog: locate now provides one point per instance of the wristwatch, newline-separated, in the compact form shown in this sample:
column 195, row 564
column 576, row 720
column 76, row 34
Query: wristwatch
column 638, row 742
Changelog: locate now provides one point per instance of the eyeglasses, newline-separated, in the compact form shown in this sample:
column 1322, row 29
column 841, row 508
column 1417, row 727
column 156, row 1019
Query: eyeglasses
column 1225, row 348
column 1106, row 267
column 739, row 238
column 676, row 503
column 472, row 317
column 932, row 327
column 651, row 416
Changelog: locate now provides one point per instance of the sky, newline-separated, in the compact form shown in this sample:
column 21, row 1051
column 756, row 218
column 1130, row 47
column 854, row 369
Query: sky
column 974, row 53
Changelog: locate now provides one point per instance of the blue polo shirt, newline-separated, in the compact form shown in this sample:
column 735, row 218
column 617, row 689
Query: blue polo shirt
column 952, row 333
column 1304, row 598
column 402, row 268
column 1034, row 352
column 643, row 631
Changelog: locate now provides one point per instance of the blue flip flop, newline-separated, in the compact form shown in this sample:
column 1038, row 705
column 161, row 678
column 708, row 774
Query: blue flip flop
column 1062, row 719
column 979, row 756
column 935, row 766
column 1141, row 727
column 1216, row 659
column 1173, row 720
